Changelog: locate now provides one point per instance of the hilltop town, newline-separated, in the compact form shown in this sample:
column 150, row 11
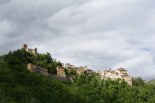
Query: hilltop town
column 119, row 73
column 27, row 76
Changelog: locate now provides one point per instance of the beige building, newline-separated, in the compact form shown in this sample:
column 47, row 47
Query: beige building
column 61, row 71
column 80, row 70
column 114, row 74
column 70, row 66
column 25, row 47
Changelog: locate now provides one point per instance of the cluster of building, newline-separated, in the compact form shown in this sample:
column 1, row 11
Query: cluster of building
column 70, row 68
column 60, row 70
column 113, row 74
column 79, row 70
column 120, row 73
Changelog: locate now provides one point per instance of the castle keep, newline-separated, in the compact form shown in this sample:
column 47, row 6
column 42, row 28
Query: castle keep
column 33, row 51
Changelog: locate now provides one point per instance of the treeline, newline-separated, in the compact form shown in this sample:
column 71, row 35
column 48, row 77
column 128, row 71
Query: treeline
column 18, row 85
column 94, row 90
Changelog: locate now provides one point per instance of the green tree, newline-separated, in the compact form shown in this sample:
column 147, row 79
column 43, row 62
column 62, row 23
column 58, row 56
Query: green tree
column 137, row 81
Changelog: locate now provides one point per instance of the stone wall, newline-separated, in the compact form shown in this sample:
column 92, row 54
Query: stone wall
column 34, row 68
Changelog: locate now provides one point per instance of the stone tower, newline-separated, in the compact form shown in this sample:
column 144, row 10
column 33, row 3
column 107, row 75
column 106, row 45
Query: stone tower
column 24, row 46
column 34, row 51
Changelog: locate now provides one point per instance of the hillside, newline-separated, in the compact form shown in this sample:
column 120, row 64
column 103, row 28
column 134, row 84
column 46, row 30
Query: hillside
column 151, row 82
column 18, row 85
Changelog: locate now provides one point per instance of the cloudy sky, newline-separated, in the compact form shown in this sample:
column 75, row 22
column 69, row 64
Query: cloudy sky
column 101, row 34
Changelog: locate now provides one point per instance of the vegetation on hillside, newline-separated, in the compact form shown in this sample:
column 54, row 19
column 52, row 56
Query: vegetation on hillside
column 151, row 82
column 18, row 85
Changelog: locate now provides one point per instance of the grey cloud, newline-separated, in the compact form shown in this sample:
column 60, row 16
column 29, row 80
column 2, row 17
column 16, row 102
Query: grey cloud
column 4, row 1
column 30, row 20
